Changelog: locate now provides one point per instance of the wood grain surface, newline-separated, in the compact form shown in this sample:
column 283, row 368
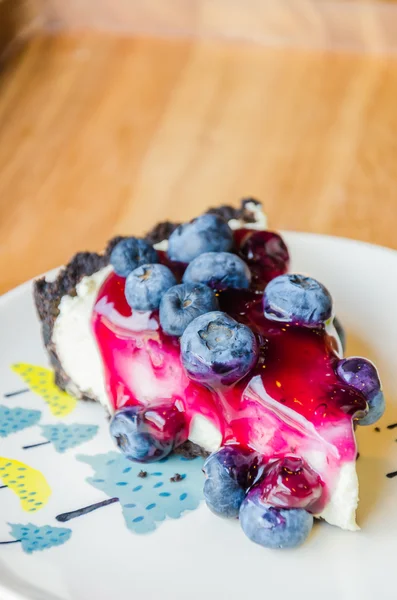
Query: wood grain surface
column 103, row 135
column 360, row 25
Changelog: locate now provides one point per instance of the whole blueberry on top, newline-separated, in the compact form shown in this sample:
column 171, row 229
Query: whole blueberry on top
column 219, row 270
column 208, row 233
column 363, row 376
column 183, row 303
column 130, row 253
column 217, row 349
column 273, row 527
column 297, row 299
column 146, row 284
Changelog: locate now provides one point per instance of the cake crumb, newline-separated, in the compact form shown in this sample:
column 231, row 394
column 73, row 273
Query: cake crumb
column 142, row 474
column 190, row 450
column 176, row 477
column 377, row 429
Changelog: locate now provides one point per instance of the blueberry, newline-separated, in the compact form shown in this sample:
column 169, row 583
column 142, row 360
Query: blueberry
column 148, row 433
column 219, row 270
column 130, row 253
column 361, row 374
column 222, row 494
column 340, row 330
column 217, row 349
column 183, row 303
column 229, row 472
column 130, row 433
column 146, row 284
column 297, row 299
column 273, row 527
column 204, row 234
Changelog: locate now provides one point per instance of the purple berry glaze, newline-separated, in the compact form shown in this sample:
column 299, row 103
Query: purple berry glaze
column 289, row 402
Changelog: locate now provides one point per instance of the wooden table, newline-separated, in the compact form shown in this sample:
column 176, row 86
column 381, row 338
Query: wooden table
column 103, row 135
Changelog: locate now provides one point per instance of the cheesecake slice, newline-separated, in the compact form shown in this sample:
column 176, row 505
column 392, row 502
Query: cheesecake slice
column 289, row 416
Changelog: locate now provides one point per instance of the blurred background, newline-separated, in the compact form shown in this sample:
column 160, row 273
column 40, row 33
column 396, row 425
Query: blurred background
column 115, row 114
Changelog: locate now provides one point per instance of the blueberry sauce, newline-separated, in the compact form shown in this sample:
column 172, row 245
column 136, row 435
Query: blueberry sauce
column 292, row 408
column 265, row 252
column 290, row 483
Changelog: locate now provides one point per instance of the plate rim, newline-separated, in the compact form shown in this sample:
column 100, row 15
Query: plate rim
column 7, row 593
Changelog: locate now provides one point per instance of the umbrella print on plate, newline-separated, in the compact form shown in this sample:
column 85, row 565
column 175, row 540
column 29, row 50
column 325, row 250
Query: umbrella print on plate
column 34, row 538
column 15, row 419
column 165, row 489
column 41, row 381
column 27, row 483
column 64, row 437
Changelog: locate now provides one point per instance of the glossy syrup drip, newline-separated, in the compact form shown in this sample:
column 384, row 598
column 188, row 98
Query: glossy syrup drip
column 290, row 483
column 291, row 405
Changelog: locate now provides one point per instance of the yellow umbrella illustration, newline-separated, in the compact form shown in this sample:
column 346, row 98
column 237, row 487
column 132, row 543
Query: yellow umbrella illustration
column 41, row 381
column 27, row 483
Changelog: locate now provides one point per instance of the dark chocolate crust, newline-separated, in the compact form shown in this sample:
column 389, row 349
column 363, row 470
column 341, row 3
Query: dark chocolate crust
column 47, row 295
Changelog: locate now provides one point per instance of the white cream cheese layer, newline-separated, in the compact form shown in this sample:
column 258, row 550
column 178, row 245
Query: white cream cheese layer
column 74, row 341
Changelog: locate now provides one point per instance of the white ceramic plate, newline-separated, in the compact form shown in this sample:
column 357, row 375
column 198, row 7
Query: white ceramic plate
column 106, row 554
